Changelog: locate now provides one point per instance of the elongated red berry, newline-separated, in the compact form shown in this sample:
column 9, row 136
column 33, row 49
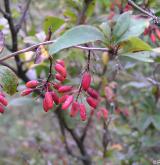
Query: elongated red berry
column 92, row 102
column 26, row 92
column 63, row 99
column 65, row 88
column 3, row 101
column 56, row 85
column 86, row 80
column 67, row 102
column 48, row 100
column 83, row 114
column 61, row 70
column 74, row 109
column 45, row 106
column 61, row 62
column 1, row 109
column 59, row 77
column 32, row 84
column 93, row 93
column 55, row 97
column 153, row 37
column 104, row 112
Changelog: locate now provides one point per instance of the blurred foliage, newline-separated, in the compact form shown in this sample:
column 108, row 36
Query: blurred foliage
column 30, row 136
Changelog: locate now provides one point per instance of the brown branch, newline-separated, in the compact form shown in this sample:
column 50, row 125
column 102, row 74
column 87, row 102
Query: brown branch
column 14, row 37
column 22, row 19
column 82, row 14
column 85, row 157
column 33, row 47
column 86, row 128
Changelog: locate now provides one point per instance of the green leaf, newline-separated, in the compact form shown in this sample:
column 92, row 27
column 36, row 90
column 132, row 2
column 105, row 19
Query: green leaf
column 122, row 24
column 135, row 44
column 8, row 80
column 53, row 22
column 136, row 28
column 77, row 35
column 90, row 8
column 156, row 121
column 144, row 122
column 143, row 56
column 106, row 29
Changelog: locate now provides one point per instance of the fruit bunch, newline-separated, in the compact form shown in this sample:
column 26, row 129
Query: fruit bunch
column 55, row 92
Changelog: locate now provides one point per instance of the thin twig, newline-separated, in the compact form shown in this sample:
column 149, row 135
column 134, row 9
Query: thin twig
column 22, row 19
column 86, row 128
column 31, row 48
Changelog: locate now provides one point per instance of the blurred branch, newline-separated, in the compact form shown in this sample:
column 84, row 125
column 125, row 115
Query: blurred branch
column 31, row 48
column 22, row 19
column 85, row 157
column 14, row 37
column 82, row 14
column 86, row 128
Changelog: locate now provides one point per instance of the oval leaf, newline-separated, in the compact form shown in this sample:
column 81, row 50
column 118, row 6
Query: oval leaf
column 122, row 26
column 135, row 44
column 140, row 56
column 136, row 28
column 8, row 80
column 77, row 35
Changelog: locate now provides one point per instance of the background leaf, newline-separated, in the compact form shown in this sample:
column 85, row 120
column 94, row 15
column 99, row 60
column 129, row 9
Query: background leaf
column 8, row 80
column 143, row 56
column 77, row 35
column 135, row 44
column 136, row 28
column 54, row 22
column 122, row 26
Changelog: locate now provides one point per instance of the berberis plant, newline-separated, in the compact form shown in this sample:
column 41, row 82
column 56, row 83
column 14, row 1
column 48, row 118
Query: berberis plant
column 96, row 69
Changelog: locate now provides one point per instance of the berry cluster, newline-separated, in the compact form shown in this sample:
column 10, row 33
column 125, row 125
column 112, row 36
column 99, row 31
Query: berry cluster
column 54, row 91
column 153, row 32
column 3, row 102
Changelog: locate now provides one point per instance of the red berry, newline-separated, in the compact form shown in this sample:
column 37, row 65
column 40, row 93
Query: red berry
column 61, row 62
column 86, row 80
column 83, row 114
column 104, row 112
column 48, row 100
column 26, row 92
column 56, row 85
column 61, row 70
column 67, row 102
column 153, row 38
column 93, row 93
column 64, row 89
column 1, row 109
column 63, row 99
column 3, row 100
column 74, row 109
column 55, row 97
column 32, row 84
column 92, row 102
column 59, row 77
column 45, row 106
